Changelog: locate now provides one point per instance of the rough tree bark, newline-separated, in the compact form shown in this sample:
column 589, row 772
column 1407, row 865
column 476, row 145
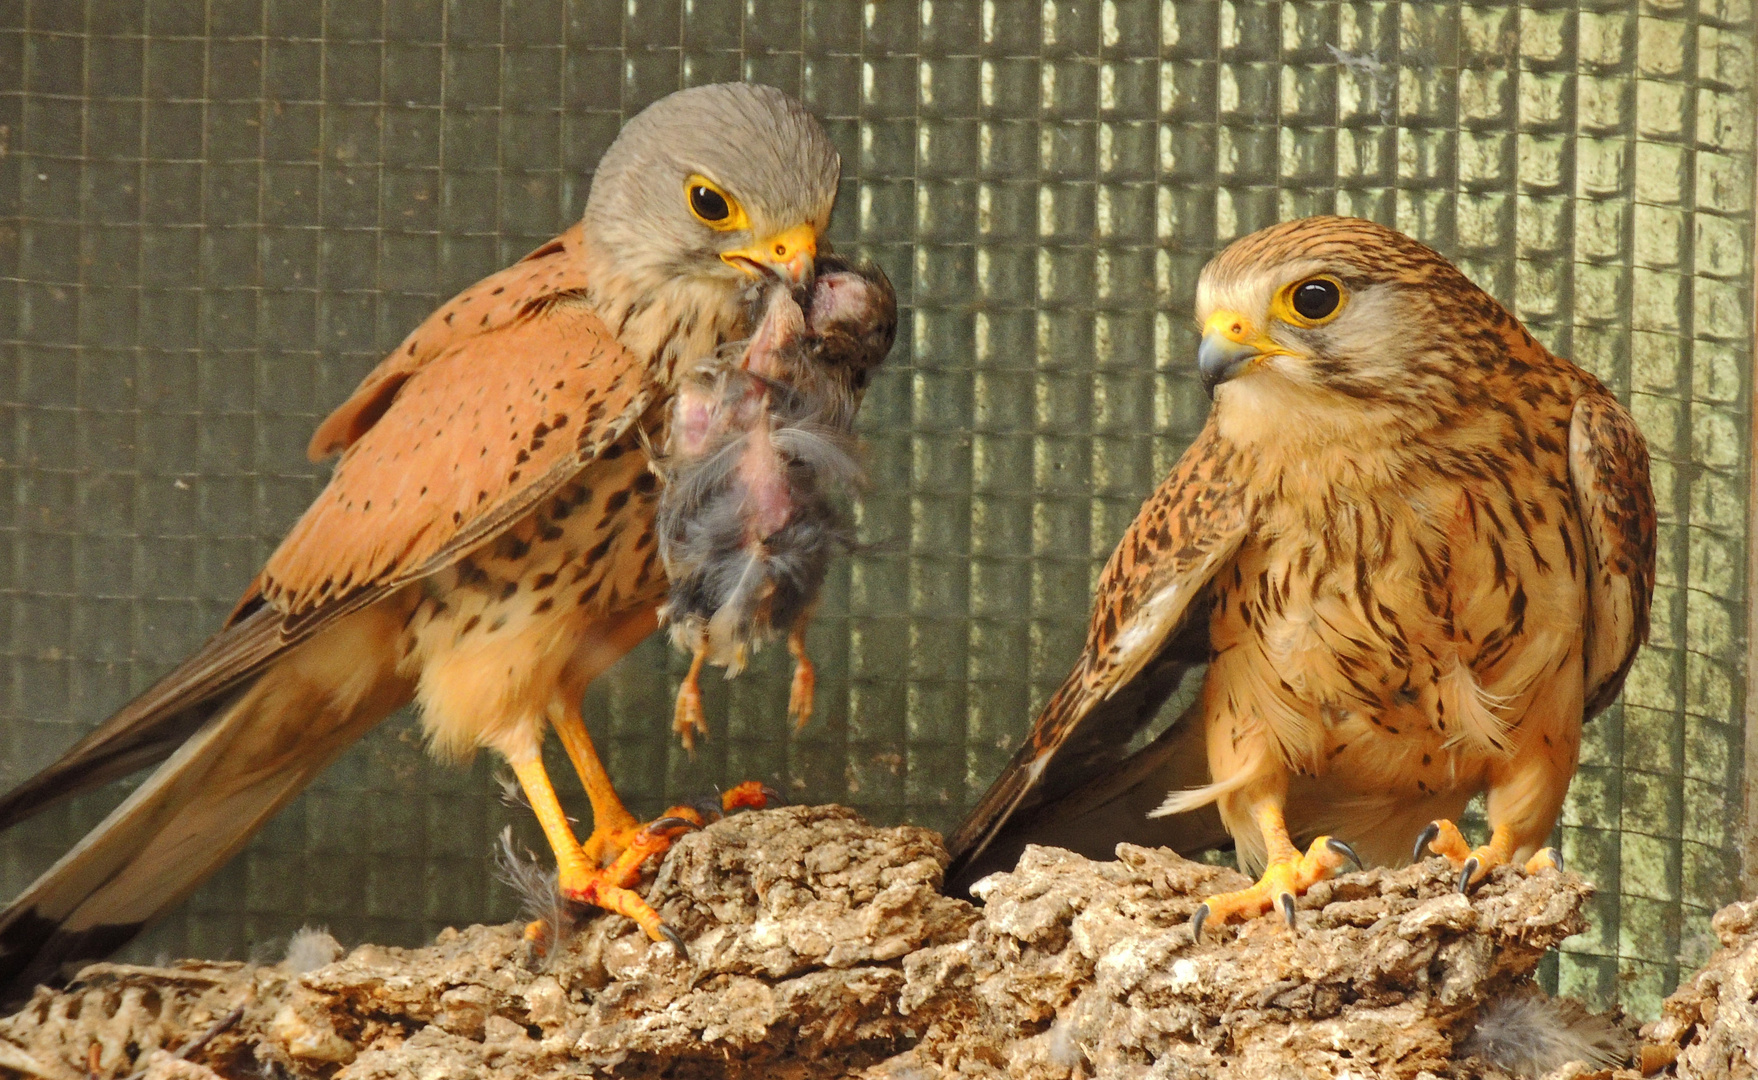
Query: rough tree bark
column 820, row 946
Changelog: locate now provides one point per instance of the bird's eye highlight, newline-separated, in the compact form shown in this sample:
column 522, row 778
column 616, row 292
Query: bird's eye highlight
column 1316, row 299
column 712, row 206
column 709, row 205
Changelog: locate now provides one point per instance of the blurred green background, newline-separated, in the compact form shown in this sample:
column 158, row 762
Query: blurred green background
column 215, row 215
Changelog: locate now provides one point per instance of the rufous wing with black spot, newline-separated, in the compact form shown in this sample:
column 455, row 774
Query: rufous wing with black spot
column 1149, row 625
column 1608, row 468
column 489, row 406
column 500, row 397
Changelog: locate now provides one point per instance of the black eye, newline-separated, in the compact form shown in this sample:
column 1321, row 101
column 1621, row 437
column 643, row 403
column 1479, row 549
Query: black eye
column 708, row 204
column 1317, row 299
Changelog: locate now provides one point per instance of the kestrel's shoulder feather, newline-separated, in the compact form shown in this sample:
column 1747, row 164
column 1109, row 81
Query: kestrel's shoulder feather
column 1608, row 468
column 556, row 268
column 502, row 395
column 1149, row 625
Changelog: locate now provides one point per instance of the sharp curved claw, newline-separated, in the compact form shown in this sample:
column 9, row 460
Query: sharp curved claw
column 772, row 797
column 1466, row 872
column 661, row 826
column 1429, row 832
column 1556, row 856
column 1286, row 902
column 1344, row 850
column 1197, row 918
column 676, row 939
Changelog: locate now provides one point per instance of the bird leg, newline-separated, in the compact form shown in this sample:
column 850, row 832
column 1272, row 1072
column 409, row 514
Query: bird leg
column 604, row 870
column 688, row 718
column 1288, row 875
column 1444, row 838
column 799, row 698
column 1524, row 798
column 578, row 879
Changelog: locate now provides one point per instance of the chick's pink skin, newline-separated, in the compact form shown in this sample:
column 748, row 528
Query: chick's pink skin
column 762, row 469
column 763, row 472
column 841, row 296
column 783, row 325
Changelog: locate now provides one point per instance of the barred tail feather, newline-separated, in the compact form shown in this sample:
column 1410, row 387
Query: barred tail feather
column 200, row 807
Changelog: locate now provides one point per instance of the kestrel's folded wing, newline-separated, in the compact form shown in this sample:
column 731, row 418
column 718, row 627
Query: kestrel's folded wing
column 494, row 418
column 1608, row 467
column 1149, row 626
column 491, row 404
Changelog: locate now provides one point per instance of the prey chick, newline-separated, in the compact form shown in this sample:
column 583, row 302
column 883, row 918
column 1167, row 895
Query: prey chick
column 760, row 459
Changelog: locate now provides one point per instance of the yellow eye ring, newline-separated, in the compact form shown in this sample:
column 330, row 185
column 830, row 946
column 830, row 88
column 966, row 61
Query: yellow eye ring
column 1312, row 301
column 710, row 204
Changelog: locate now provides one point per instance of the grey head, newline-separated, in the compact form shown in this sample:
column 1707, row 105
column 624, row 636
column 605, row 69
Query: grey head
column 731, row 181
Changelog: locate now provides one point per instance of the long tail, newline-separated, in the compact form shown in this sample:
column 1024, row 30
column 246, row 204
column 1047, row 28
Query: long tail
column 1111, row 807
column 149, row 729
column 259, row 746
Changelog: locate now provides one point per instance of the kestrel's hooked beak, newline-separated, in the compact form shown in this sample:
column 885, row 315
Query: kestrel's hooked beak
column 788, row 255
column 1230, row 346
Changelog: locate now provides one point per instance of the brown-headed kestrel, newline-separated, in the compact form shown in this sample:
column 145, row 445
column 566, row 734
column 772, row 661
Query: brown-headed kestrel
column 1417, row 553
column 486, row 546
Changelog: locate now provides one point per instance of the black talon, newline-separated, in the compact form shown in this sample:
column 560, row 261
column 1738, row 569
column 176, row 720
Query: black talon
column 1286, row 900
column 1344, row 850
column 1556, row 856
column 1465, row 873
column 772, row 797
column 676, row 939
column 1429, row 832
column 1197, row 918
column 669, row 824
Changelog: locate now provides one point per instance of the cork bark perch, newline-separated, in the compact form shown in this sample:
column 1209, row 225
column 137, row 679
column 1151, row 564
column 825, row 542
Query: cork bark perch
column 821, row 946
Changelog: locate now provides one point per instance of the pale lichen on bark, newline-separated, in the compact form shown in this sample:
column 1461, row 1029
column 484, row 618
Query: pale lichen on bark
column 821, row 946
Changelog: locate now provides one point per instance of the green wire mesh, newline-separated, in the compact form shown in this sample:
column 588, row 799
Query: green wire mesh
column 215, row 216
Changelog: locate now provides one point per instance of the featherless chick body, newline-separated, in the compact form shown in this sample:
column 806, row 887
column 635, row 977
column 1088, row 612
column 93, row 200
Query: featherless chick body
column 761, row 458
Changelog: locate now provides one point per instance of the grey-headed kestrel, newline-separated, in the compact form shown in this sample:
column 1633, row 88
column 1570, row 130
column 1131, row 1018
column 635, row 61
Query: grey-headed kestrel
column 485, row 546
column 1415, row 549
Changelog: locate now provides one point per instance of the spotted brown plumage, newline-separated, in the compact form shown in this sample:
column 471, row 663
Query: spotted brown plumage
column 1416, row 549
column 484, row 548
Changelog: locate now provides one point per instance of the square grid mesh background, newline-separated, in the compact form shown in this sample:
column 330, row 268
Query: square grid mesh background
column 214, row 217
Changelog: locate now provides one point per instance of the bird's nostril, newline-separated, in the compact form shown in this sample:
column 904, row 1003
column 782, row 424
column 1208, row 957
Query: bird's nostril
column 781, row 249
column 1237, row 329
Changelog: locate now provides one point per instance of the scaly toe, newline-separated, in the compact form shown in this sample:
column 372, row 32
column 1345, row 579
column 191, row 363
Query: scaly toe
column 1281, row 883
column 1545, row 858
column 1442, row 838
column 750, row 795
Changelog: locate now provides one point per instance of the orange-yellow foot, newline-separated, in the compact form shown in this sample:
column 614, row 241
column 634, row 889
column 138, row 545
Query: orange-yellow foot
column 799, row 698
column 1444, row 838
column 688, row 718
column 610, row 886
column 1283, row 880
column 750, row 795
